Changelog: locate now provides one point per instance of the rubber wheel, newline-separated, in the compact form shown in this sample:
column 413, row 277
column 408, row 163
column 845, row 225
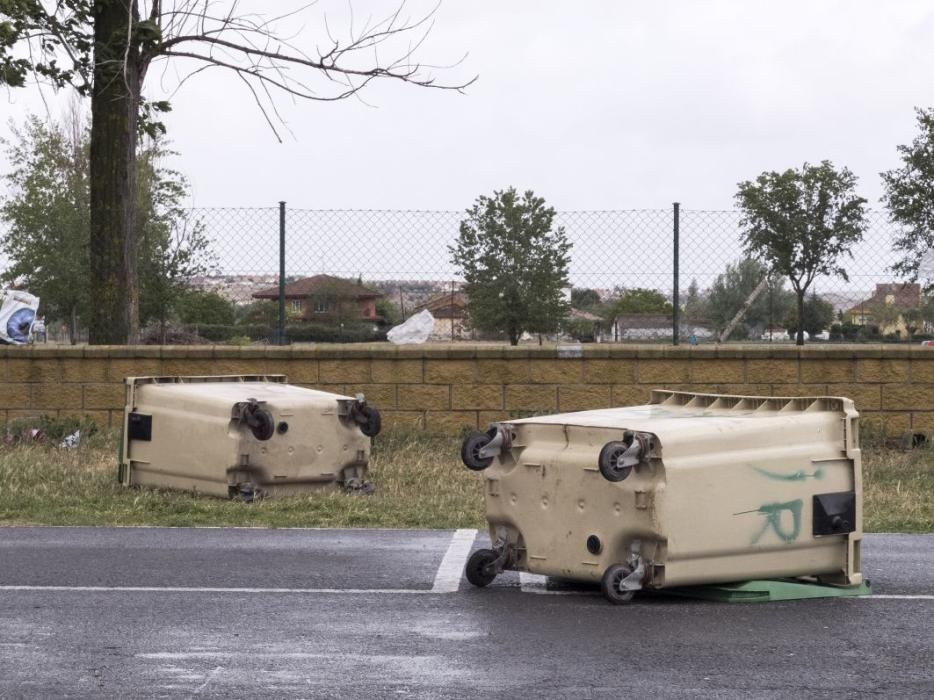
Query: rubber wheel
column 470, row 451
column 373, row 423
column 609, row 457
column 264, row 426
column 479, row 569
column 609, row 584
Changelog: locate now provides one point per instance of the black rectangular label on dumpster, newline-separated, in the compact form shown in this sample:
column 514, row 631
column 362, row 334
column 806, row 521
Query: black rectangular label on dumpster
column 140, row 427
column 834, row 513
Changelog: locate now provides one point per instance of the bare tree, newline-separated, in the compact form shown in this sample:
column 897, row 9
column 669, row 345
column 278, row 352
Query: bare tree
column 105, row 49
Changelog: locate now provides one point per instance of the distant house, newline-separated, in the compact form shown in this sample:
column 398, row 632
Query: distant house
column 596, row 323
column 327, row 299
column 886, row 308
column 450, row 313
column 652, row 327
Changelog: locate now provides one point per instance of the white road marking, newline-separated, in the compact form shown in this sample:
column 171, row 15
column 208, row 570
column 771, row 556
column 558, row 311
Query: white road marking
column 538, row 584
column 200, row 589
column 448, row 577
column 884, row 596
column 529, row 583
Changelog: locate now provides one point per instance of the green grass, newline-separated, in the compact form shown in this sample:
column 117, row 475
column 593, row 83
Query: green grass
column 419, row 482
column 898, row 490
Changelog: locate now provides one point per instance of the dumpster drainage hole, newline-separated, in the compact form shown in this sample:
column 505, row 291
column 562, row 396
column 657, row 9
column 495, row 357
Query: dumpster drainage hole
column 282, row 428
column 594, row 546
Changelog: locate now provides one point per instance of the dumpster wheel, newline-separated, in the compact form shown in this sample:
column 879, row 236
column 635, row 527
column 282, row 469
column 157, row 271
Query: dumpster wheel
column 612, row 580
column 481, row 567
column 372, row 422
column 470, row 452
column 609, row 460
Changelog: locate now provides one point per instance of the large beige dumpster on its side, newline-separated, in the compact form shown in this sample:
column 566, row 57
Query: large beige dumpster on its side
column 690, row 489
column 243, row 436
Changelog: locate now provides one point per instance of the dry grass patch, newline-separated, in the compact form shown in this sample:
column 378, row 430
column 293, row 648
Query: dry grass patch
column 419, row 483
column 418, row 478
column 898, row 490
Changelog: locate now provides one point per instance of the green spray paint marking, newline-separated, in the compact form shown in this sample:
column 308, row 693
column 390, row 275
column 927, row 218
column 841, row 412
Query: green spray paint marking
column 799, row 475
column 773, row 519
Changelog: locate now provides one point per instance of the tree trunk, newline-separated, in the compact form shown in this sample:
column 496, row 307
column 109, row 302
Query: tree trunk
column 513, row 334
column 114, row 116
column 800, row 340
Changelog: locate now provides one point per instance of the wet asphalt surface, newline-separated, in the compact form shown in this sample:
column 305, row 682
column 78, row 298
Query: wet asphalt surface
column 152, row 613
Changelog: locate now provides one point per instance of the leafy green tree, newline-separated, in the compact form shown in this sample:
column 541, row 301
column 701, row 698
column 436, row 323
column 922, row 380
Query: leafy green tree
column 514, row 264
column 172, row 245
column 818, row 316
column 104, row 49
column 585, row 299
column 799, row 223
column 388, row 311
column 909, row 198
column 195, row 306
column 48, row 212
column 641, row 301
column 695, row 307
column 732, row 288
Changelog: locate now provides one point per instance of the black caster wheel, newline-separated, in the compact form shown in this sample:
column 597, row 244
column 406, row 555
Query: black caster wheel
column 262, row 424
column 370, row 421
column 609, row 461
column 470, row 451
column 479, row 570
column 609, row 584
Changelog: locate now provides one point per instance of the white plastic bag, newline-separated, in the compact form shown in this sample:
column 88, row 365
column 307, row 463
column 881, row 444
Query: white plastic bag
column 17, row 314
column 415, row 330
column 72, row 440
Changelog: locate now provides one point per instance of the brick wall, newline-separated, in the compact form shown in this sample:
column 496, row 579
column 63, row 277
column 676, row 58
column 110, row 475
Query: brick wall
column 445, row 387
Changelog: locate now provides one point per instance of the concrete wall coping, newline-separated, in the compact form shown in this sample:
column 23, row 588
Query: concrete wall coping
column 465, row 351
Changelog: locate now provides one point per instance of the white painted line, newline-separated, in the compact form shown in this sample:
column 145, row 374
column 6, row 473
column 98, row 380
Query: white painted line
column 199, row 589
column 529, row 583
column 884, row 596
column 538, row 584
column 448, row 577
column 532, row 583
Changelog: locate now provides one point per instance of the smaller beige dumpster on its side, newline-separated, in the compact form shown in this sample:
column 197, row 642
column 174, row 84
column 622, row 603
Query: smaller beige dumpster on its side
column 689, row 489
column 243, row 436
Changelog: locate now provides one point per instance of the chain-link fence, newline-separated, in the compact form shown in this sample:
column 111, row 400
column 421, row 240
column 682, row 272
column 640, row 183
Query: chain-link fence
column 406, row 256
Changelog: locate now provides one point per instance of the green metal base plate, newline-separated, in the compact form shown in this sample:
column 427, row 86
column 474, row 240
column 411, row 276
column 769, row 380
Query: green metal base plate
column 767, row 590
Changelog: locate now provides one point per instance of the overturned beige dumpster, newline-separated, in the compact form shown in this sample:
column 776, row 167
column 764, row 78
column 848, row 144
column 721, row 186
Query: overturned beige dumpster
column 689, row 489
column 243, row 436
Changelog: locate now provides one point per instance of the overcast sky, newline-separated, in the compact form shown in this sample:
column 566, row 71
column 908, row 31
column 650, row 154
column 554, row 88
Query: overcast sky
column 599, row 105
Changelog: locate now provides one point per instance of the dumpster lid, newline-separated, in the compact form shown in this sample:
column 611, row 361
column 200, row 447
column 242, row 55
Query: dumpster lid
column 676, row 406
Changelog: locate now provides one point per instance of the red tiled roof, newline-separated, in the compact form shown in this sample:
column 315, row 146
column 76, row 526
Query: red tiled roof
column 907, row 295
column 320, row 284
column 445, row 305
column 584, row 315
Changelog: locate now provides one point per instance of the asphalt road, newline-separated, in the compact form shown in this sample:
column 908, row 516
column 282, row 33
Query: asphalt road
column 143, row 612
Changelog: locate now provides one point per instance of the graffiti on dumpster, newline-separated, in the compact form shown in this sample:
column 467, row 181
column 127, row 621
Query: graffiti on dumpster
column 799, row 475
column 774, row 513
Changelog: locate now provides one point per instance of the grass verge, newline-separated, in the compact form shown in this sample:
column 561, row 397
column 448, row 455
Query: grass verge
column 898, row 490
column 419, row 483
column 419, row 480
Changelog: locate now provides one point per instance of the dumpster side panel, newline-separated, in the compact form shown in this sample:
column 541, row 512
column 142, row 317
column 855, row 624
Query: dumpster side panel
column 729, row 493
column 198, row 442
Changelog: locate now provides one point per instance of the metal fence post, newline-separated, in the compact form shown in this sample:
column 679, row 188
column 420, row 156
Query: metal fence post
column 675, row 300
column 280, row 339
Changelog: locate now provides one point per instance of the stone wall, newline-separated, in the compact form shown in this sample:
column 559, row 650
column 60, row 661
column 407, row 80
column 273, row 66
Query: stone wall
column 447, row 387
